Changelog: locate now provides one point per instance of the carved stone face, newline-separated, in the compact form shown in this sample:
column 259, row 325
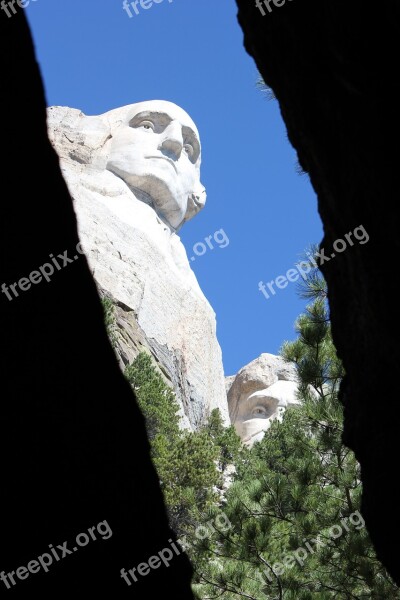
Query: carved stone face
column 157, row 152
column 256, row 411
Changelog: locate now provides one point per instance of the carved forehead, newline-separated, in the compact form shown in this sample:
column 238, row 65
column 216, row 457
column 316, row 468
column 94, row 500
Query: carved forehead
column 162, row 107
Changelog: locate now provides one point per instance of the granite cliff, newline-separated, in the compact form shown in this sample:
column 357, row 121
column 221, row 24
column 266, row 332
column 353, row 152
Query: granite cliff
column 130, row 205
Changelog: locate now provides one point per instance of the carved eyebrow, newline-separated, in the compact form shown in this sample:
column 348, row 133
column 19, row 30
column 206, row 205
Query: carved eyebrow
column 146, row 114
column 262, row 401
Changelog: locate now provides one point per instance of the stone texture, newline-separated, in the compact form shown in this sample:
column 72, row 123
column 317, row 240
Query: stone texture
column 229, row 379
column 128, row 225
column 339, row 97
column 259, row 394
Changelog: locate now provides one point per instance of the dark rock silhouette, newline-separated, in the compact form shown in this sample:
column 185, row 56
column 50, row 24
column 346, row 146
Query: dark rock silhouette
column 73, row 443
column 332, row 66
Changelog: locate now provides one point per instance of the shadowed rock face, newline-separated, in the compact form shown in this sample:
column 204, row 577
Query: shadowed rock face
column 339, row 99
column 73, row 442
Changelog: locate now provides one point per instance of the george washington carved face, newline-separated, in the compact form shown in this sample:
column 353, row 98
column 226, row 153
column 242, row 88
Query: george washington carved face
column 156, row 151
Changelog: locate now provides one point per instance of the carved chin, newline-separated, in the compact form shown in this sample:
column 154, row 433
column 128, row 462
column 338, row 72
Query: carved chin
column 195, row 204
column 163, row 192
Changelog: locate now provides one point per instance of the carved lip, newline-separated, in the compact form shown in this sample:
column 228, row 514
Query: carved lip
column 171, row 162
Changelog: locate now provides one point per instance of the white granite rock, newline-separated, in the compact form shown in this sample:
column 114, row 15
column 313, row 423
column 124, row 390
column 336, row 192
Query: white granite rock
column 134, row 175
column 259, row 394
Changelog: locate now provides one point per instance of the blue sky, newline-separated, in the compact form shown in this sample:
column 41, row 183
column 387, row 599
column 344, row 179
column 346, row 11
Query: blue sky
column 94, row 57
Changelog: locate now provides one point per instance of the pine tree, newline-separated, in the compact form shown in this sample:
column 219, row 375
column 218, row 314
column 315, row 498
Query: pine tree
column 109, row 320
column 297, row 531
column 190, row 465
column 156, row 400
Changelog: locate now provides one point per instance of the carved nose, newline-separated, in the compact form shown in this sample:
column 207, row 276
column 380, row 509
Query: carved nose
column 173, row 142
column 173, row 147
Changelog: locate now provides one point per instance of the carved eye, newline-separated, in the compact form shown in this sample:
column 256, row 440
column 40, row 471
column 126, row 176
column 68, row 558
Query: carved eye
column 147, row 125
column 188, row 148
column 258, row 412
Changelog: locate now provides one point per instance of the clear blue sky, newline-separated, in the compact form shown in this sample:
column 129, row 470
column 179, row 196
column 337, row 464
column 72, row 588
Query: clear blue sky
column 95, row 58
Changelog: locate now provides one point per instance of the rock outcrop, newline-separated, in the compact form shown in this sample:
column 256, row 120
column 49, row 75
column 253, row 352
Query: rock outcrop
column 339, row 96
column 259, row 394
column 130, row 204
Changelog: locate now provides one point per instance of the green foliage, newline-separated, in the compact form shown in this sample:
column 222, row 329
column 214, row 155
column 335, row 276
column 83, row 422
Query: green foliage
column 156, row 400
column 224, row 438
column 314, row 286
column 109, row 320
column 190, row 465
column 297, row 532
